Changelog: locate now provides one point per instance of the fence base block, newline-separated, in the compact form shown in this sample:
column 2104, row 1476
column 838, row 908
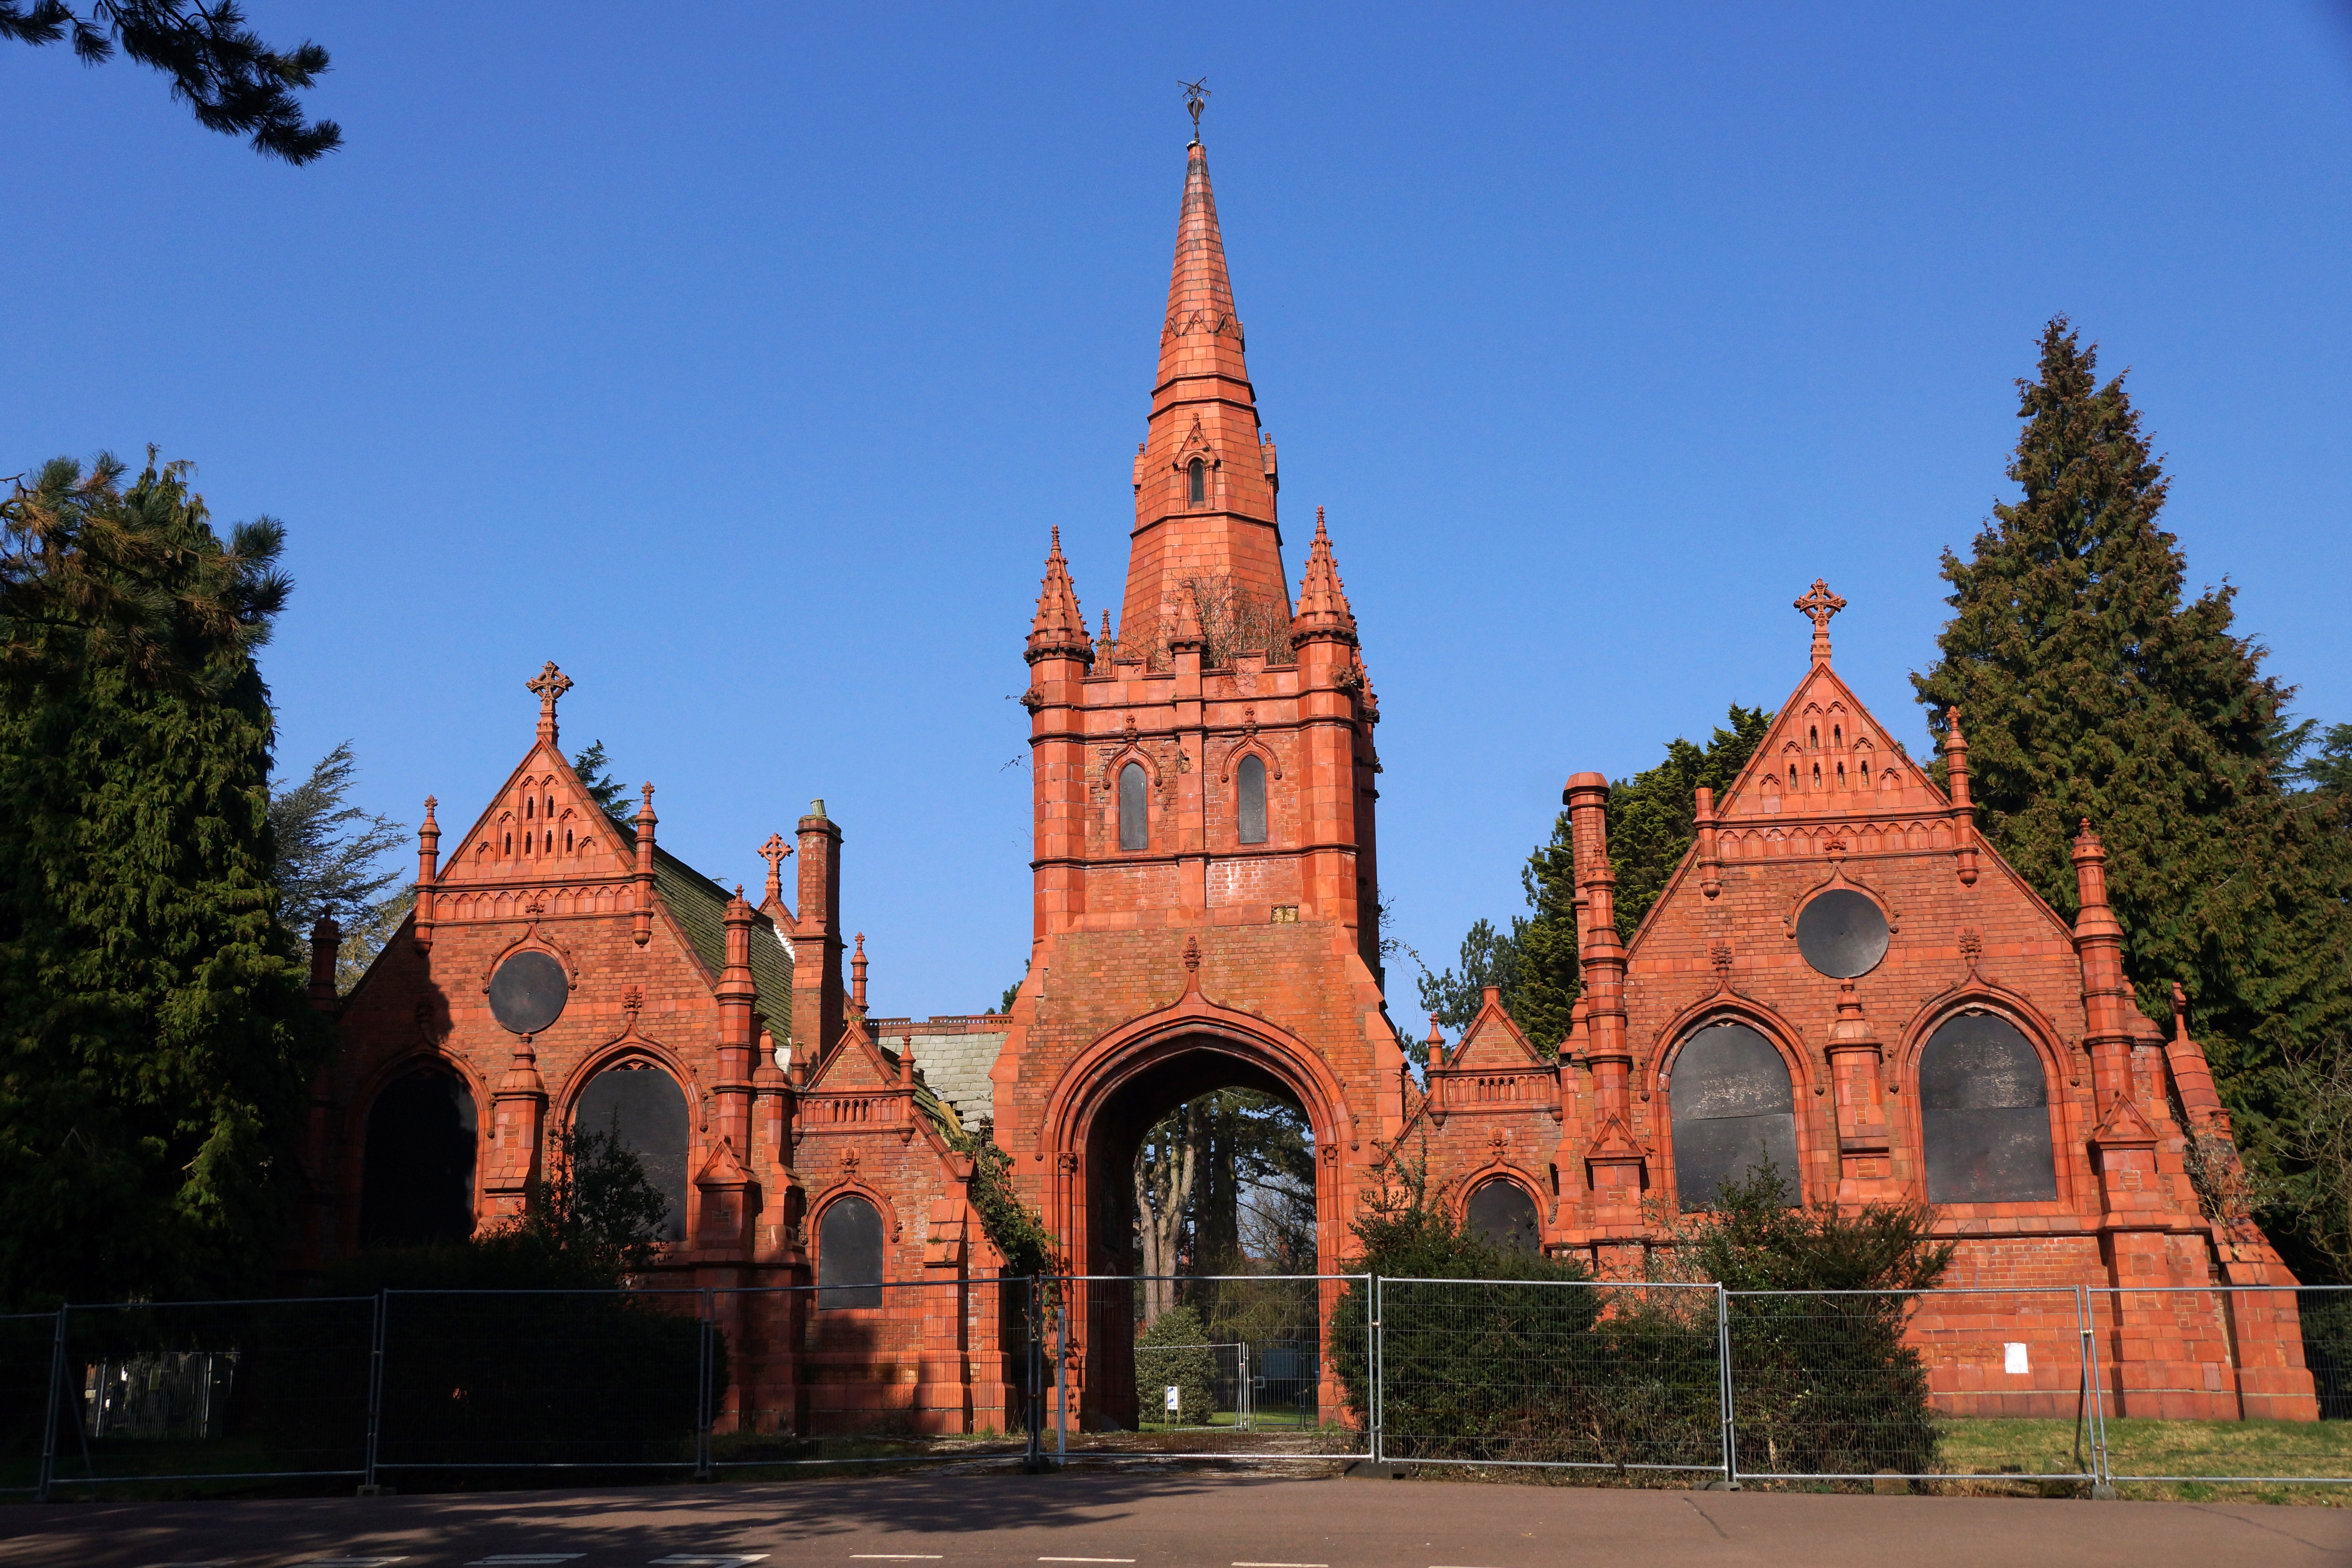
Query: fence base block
column 1372, row 1470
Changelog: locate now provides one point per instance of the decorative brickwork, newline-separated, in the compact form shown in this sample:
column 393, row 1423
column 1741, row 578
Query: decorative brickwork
column 1840, row 968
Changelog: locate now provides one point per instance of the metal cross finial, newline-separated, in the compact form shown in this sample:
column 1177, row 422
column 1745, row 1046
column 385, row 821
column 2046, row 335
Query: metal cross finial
column 550, row 684
column 1196, row 98
column 1821, row 603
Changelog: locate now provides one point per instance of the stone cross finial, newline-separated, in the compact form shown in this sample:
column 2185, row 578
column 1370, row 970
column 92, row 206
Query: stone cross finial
column 550, row 684
column 774, row 852
column 1820, row 604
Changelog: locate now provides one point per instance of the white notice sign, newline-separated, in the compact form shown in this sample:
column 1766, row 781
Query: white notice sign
column 1176, row 1400
column 2013, row 1358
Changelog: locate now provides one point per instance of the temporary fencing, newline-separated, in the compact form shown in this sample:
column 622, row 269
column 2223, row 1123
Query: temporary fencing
column 1259, row 1369
column 2063, row 1387
column 1860, row 1385
column 1574, row 1374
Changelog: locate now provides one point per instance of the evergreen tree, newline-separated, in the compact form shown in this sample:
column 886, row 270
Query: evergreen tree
column 219, row 66
column 1652, row 822
column 2089, row 686
column 595, row 771
column 155, row 1046
column 330, row 852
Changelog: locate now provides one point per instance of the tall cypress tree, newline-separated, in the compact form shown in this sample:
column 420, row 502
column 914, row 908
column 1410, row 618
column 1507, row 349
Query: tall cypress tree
column 155, row 1048
column 2089, row 686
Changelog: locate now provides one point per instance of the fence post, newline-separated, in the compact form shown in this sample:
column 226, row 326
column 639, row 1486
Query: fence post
column 1062, row 1379
column 1723, row 1374
column 1375, row 1354
column 705, row 1413
column 368, row 1483
column 2102, row 1483
column 49, row 1431
column 1032, row 1356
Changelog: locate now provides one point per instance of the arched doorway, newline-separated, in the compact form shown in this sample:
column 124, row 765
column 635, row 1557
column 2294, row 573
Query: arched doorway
column 416, row 1181
column 1106, row 1106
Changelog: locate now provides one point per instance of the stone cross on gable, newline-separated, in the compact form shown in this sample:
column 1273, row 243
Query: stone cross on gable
column 550, row 684
column 1820, row 604
column 774, row 852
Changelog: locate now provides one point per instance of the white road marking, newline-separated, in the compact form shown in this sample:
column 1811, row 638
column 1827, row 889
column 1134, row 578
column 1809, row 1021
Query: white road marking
column 1282, row 1566
column 347, row 1562
column 1085, row 1560
column 894, row 1557
column 525, row 1559
column 697, row 1560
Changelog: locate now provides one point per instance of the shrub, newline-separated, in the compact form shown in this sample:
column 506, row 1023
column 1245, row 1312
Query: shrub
column 1174, row 1350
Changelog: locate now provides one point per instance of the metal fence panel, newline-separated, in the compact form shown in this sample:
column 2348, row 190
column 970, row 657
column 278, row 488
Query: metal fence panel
column 1268, row 1365
column 1583, row 1374
column 2223, row 1383
column 906, row 1371
column 545, row 1379
column 211, row 1391
column 28, row 1348
column 1855, row 1385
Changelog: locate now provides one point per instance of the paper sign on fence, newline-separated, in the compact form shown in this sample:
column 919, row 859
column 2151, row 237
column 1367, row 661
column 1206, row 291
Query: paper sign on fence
column 2013, row 1358
column 1175, row 1400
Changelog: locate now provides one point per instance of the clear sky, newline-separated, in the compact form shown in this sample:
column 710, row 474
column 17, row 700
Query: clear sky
column 738, row 359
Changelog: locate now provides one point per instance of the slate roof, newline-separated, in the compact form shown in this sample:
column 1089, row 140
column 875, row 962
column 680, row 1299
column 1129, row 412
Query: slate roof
column 699, row 904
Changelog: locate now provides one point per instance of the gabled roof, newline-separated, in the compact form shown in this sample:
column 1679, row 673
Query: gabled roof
column 1823, row 730
column 858, row 1064
column 699, row 904
column 1493, row 1041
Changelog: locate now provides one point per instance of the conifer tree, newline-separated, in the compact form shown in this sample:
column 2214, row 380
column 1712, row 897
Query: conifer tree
column 2089, row 686
column 155, row 1047
column 1652, row 822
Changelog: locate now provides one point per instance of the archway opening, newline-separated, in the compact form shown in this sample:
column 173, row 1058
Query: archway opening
column 416, row 1181
column 1201, row 1226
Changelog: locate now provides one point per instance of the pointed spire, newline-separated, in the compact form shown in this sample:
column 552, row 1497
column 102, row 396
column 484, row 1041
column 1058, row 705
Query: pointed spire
column 1059, row 630
column 1106, row 646
column 1217, row 522
column 1323, row 610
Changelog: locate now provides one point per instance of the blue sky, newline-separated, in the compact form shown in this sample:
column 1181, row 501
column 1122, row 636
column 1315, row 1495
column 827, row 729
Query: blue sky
column 738, row 359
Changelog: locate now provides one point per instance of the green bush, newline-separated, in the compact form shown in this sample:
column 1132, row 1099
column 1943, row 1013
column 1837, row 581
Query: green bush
column 1174, row 1350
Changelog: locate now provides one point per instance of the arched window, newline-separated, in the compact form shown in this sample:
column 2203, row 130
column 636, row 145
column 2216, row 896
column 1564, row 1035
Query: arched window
column 1249, row 807
column 849, row 1254
column 1733, row 1111
column 1984, row 1111
column 1196, row 482
column 1134, row 830
column 640, row 1107
column 417, row 1183
column 1502, row 1213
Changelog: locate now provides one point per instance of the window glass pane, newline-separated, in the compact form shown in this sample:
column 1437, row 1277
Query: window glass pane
column 1133, row 832
column 1199, row 481
column 1984, row 1112
column 1502, row 1213
column 849, row 1254
column 1732, row 1111
column 1252, row 805
column 642, row 1108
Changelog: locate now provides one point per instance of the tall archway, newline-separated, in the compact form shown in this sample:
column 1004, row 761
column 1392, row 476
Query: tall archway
column 416, row 1182
column 1106, row 1103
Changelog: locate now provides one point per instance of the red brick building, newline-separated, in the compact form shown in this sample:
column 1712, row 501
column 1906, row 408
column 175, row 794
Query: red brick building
column 1840, row 977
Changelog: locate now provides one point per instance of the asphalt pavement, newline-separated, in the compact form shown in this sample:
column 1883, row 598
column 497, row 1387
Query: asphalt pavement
column 1161, row 1517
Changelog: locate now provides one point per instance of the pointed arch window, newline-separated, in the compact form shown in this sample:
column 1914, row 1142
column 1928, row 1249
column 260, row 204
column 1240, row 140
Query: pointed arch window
column 1249, row 806
column 641, row 1109
column 849, row 1254
column 1196, row 482
column 1984, row 1113
column 1134, row 828
column 1733, row 1111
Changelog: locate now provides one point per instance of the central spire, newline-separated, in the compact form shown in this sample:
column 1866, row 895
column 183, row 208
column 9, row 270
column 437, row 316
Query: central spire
column 1204, row 477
